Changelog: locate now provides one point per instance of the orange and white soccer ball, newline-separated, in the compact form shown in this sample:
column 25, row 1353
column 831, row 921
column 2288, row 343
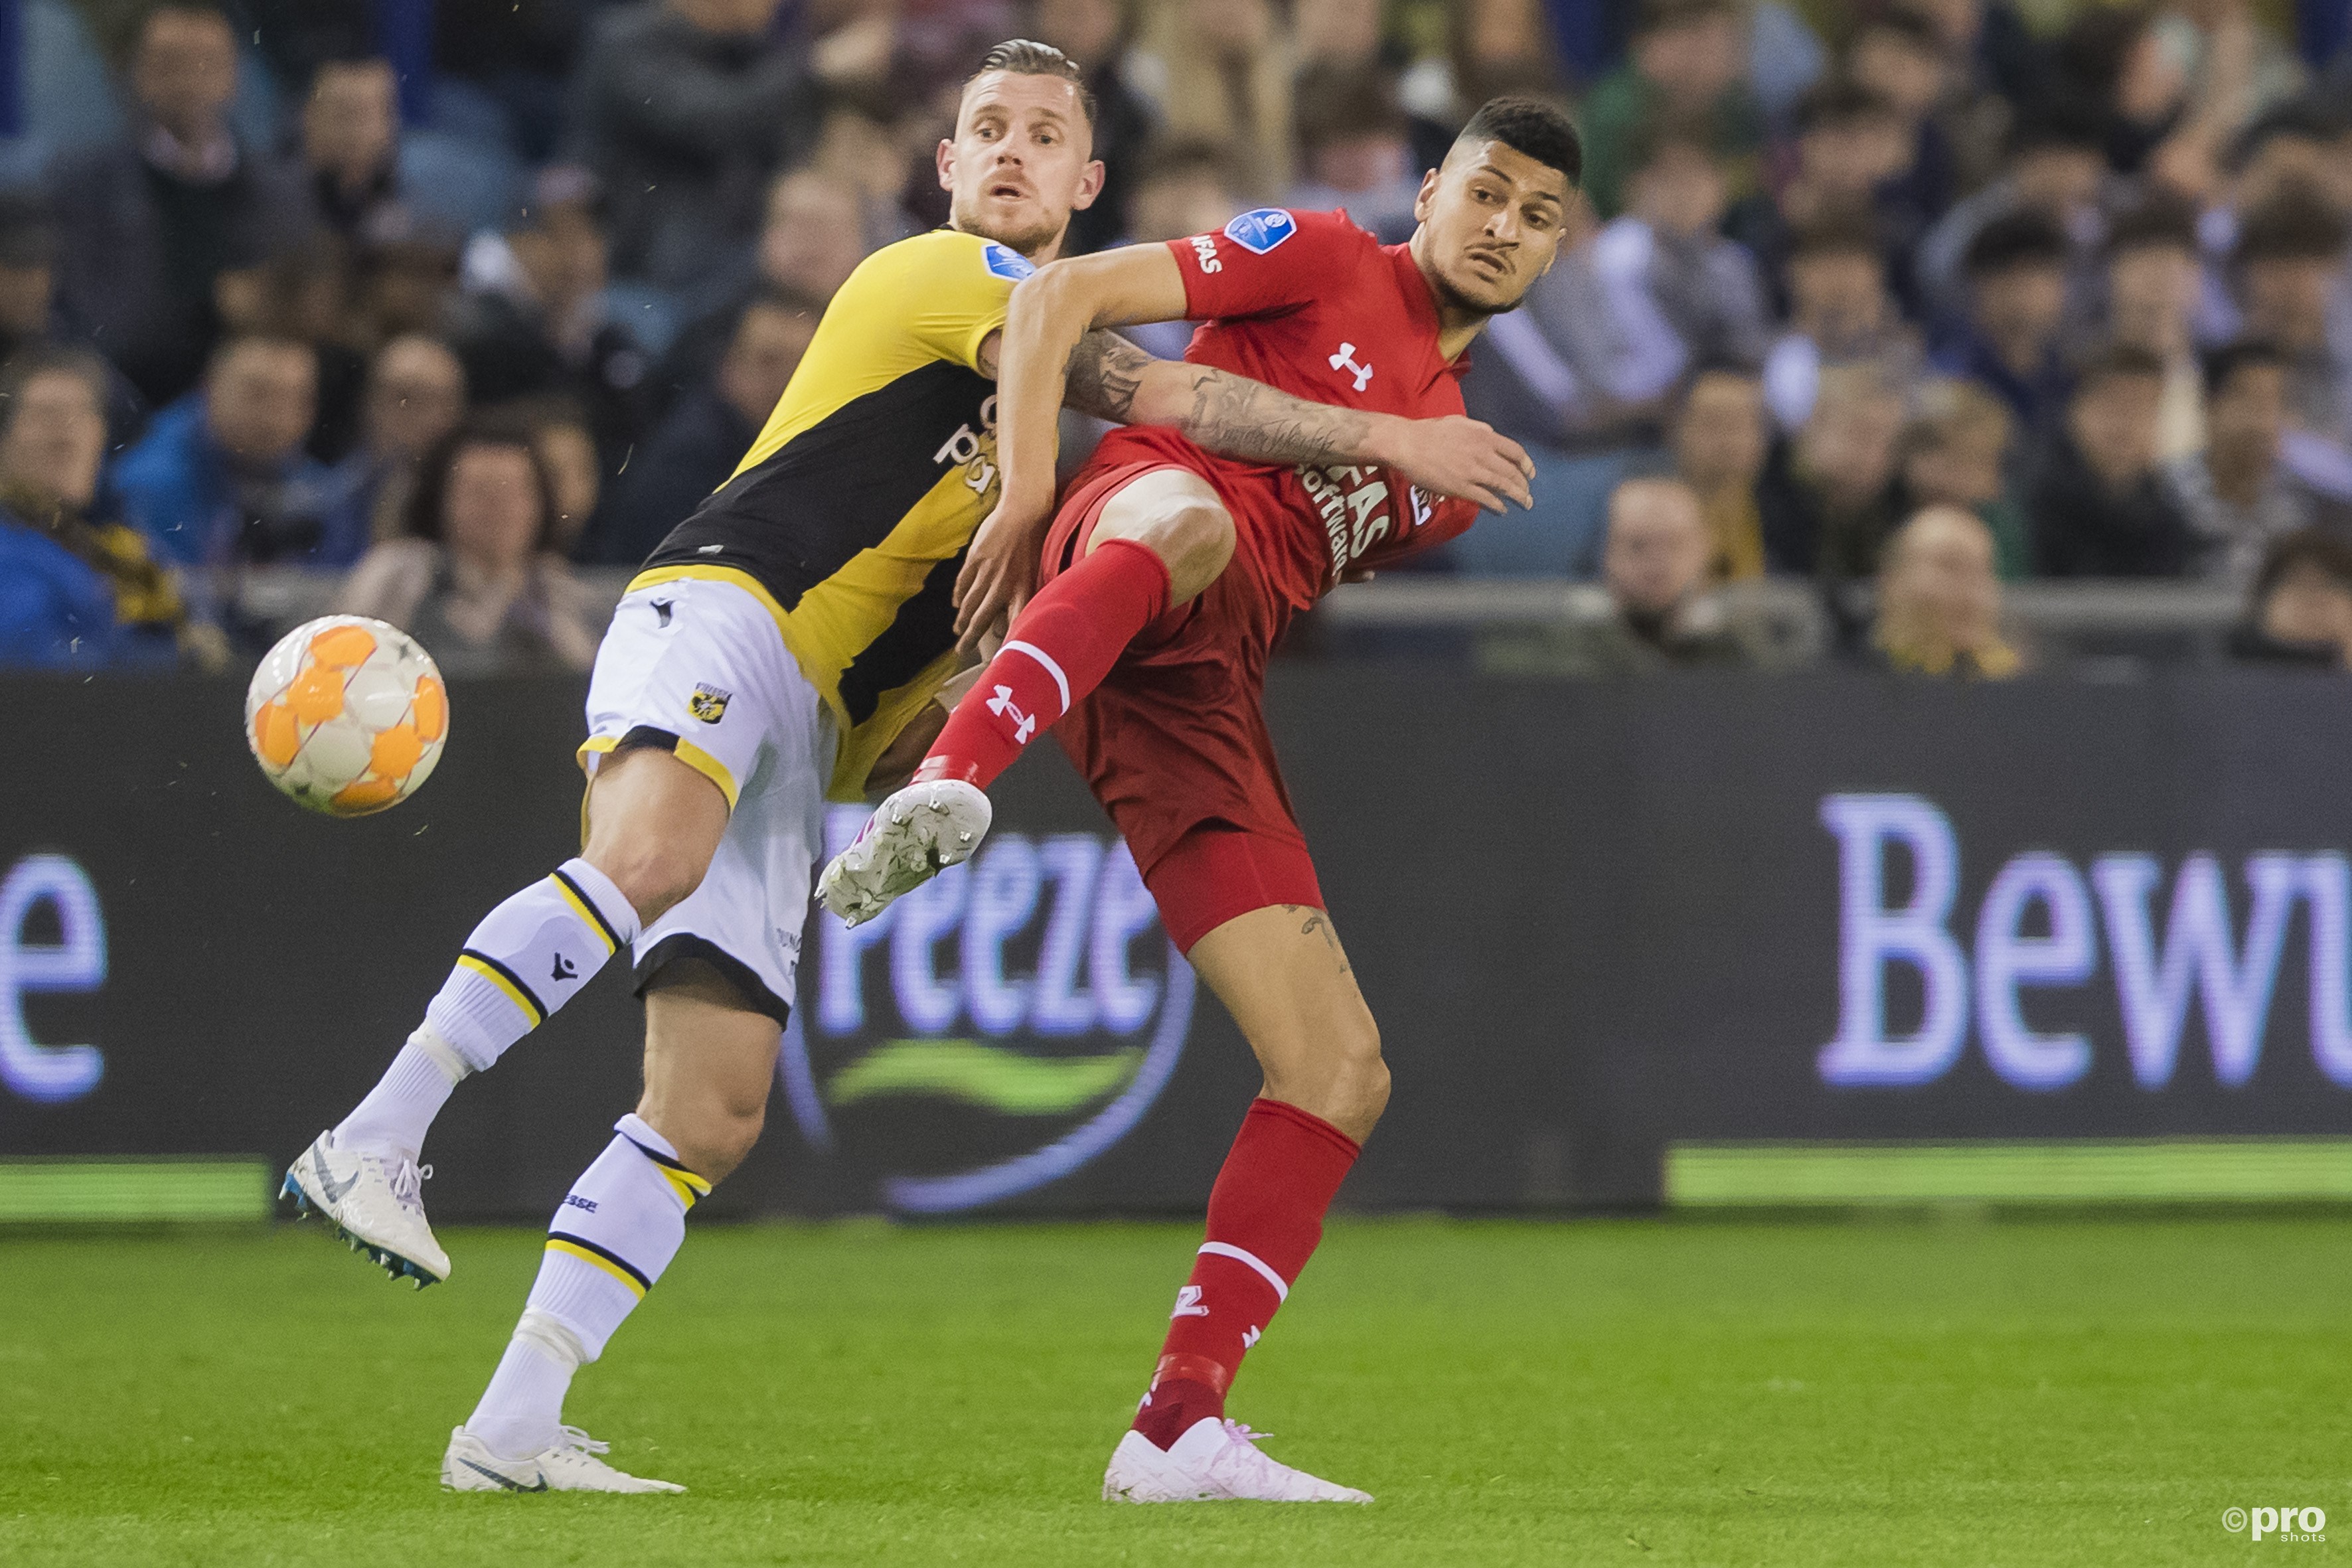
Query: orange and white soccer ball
column 347, row 715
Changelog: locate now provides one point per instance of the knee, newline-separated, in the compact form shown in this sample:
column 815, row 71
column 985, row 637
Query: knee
column 1344, row 1083
column 713, row 1138
column 1196, row 539
column 652, row 875
column 1360, row 1085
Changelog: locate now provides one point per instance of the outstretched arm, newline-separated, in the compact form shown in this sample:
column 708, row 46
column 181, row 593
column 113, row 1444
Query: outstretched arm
column 1234, row 417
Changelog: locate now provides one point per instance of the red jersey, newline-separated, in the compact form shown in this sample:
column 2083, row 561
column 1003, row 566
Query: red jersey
column 1312, row 305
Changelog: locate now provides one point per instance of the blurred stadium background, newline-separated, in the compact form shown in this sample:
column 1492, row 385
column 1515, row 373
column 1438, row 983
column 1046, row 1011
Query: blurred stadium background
column 1942, row 773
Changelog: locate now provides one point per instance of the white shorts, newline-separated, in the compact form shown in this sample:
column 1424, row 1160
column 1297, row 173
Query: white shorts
column 698, row 668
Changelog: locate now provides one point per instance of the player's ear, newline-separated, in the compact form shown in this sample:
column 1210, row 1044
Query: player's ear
column 947, row 164
column 1425, row 198
column 1090, row 185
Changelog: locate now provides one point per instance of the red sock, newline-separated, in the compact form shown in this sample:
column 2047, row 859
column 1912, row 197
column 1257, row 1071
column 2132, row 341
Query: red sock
column 1060, row 646
column 1265, row 1215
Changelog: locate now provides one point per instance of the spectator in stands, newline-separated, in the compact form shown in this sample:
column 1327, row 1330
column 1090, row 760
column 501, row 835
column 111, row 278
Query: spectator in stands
column 2154, row 277
column 2300, row 611
column 1841, row 312
column 1899, row 55
column 304, row 292
column 29, row 250
column 351, row 145
column 566, row 446
column 75, row 589
column 475, row 577
column 860, row 147
column 1828, row 495
column 2236, row 67
column 1685, row 60
column 1183, row 186
column 1852, row 153
column 1939, row 600
column 2300, row 149
column 415, row 396
column 1095, row 34
column 2095, row 504
column 2290, row 262
column 1354, row 150
column 1660, row 611
column 1955, row 450
column 507, row 68
column 532, row 320
column 1337, row 32
column 813, row 240
column 149, row 222
column 2110, row 56
column 1671, row 289
column 221, row 480
column 692, row 452
column 2054, row 166
column 30, row 317
column 685, row 108
column 2017, row 299
column 2238, row 497
column 1221, row 69
column 1720, row 438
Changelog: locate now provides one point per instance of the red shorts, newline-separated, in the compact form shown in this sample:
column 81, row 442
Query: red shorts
column 1174, row 741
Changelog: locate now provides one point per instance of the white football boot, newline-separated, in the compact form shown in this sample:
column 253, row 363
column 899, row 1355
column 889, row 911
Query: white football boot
column 911, row 837
column 1215, row 1461
column 373, row 1199
column 569, row 1464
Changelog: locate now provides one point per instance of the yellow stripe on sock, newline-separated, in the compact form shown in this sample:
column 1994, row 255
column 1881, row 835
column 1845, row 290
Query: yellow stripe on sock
column 531, row 1009
column 556, row 1244
column 587, row 916
column 686, row 1183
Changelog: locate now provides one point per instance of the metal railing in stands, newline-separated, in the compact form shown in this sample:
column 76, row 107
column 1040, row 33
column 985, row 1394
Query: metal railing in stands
column 2067, row 611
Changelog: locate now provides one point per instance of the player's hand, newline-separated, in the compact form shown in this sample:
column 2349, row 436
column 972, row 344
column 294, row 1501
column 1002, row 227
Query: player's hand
column 1461, row 457
column 1000, row 571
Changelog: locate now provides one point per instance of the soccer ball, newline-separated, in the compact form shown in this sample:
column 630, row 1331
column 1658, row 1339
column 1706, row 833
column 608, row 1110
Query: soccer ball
column 347, row 715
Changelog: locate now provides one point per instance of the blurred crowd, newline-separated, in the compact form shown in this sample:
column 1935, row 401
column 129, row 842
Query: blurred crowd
column 1872, row 306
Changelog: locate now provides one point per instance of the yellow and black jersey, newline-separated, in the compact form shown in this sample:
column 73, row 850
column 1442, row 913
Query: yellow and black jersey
column 850, row 516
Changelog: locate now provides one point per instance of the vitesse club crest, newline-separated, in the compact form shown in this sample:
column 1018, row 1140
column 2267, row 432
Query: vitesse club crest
column 708, row 703
column 995, row 1031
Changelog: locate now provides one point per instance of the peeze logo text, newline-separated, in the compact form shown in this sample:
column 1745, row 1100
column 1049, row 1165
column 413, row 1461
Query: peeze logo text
column 2041, row 928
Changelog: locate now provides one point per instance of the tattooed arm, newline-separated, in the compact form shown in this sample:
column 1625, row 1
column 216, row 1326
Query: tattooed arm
column 1234, row 416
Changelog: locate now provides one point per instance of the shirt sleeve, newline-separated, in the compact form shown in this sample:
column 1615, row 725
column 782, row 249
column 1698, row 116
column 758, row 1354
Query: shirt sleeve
column 952, row 292
column 1266, row 261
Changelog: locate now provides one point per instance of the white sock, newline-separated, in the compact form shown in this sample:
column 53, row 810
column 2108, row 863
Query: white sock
column 527, row 958
column 402, row 1106
column 614, row 1234
column 523, row 1406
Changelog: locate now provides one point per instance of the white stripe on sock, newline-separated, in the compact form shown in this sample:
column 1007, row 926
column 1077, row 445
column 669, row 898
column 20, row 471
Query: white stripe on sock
column 1225, row 1249
column 1044, row 659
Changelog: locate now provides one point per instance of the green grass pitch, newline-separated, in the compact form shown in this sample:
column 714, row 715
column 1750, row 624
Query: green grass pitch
column 1964, row 1392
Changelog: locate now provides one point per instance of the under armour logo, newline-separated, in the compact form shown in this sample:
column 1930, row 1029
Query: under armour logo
column 1188, row 1303
column 1346, row 359
column 1023, row 725
column 563, row 970
column 662, row 607
column 1250, row 1337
